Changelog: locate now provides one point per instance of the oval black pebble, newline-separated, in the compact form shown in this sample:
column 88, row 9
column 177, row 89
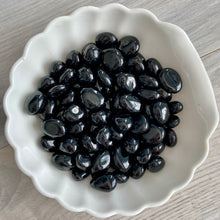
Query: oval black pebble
column 130, row 103
column 156, row 164
column 91, row 54
column 68, row 98
column 83, row 161
column 46, row 83
column 56, row 69
column 57, row 91
column 68, row 77
column 34, row 103
column 54, row 128
column 129, row 45
column 170, row 139
column 106, row 40
column 170, row 80
column 153, row 66
column 74, row 59
column 77, row 128
column 149, row 95
column 121, row 177
column 103, row 137
column 116, row 135
column 126, row 81
column 73, row 113
column 173, row 121
column 112, row 60
column 79, row 175
column 91, row 98
column 104, row 78
column 144, row 155
column 164, row 95
column 123, row 122
column 161, row 112
column 148, row 82
column 86, row 76
column 68, row 146
column 136, row 64
column 140, row 124
column 99, row 117
column 131, row 144
column 89, row 144
column 157, row 149
column 48, row 144
column 105, row 183
column 101, row 162
column 49, row 110
column 175, row 107
column 62, row 162
column 137, row 171
column 155, row 135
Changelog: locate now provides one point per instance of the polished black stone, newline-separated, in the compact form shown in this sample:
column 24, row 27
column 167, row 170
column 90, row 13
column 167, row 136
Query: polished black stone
column 156, row 164
column 89, row 144
column 83, row 161
column 170, row 139
column 68, row 146
column 99, row 117
column 155, row 135
column 73, row 113
column 148, row 81
column 126, row 81
column 49, row 110
column 173, row 121
column 137, row 171
column 68, row 98
column 105, row 183
column 78, row 174
column 164, row 95
column 77, row 128
column 157, row 149
column 104, row 78
column 106, row 40
column 91, row 98
column 121, row 161
column 129, row 45
column 136, row 64
column 140, row 124
column 91, row 54
column 112, row 59
column 149, row 95
column 57, row 91
column 86, row 76
column 153, row 66
column 101, row 162
column 68, row 76
column 103, row 137
column 116, row 135
column 161, row 112
column 62, row 161
column 34, row 103
column 131, row 144
column 48, row 144
column 175, row 107
column 148, row 112
column 56, row 69
column 170, row 80
column 123, row 122
column 144, row 155
column 54, row 128
column 74, row 59
column 46, row 83
column 116, row 102
column 120, row 177
column 130, row 103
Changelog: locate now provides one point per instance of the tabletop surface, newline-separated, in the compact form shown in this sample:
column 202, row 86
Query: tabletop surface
column 20, row 20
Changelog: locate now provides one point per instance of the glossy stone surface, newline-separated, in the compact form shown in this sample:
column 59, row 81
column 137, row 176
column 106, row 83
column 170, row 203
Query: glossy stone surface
column 148, row 81
column 136, row 64
column 144, row 155
column 116, row 135
column 130, row 103
column 101, row 162
column 74, row 59
column 148, row 112
column 123, row 122
column 170, row 80
column 137, row 171
column 131, row 144
column 62, row 161
column 49, row 110
column 68, row 146
column 46, row 83
column 77, row 128
column 155, row 135
column 129, row 45
column 57, row 91
column 149, row 95
column 170, row 139
column 86, row 76
column 56, row 69
column 153, row 66
column 68, row 77
column 121, row 161
column 104, row 78
column 91, row 98
column 157, row 149
column 112, row 60
column 103, row 137
column 116, row 103
column 175, row 107
column 83, row 161
column 68, row 98
column 156, row 164
column 54, row 128
column 99, row 117
column 105, row 183
column 173, row 121
column 34, row 103
column 89, row 144
column 91, row 54
column 164, row 95
column 78, row 174
column 140, row 124
column 48, row 144
column 161, row 112
column 126, row 81
column 121, row 177
column 73, row 113
column 106, row 40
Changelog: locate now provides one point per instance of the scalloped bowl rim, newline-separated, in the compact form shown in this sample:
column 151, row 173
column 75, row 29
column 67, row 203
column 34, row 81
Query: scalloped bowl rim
column 16, row 147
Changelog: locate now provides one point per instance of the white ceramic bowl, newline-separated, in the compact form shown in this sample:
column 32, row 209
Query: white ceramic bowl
column 165, row 42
